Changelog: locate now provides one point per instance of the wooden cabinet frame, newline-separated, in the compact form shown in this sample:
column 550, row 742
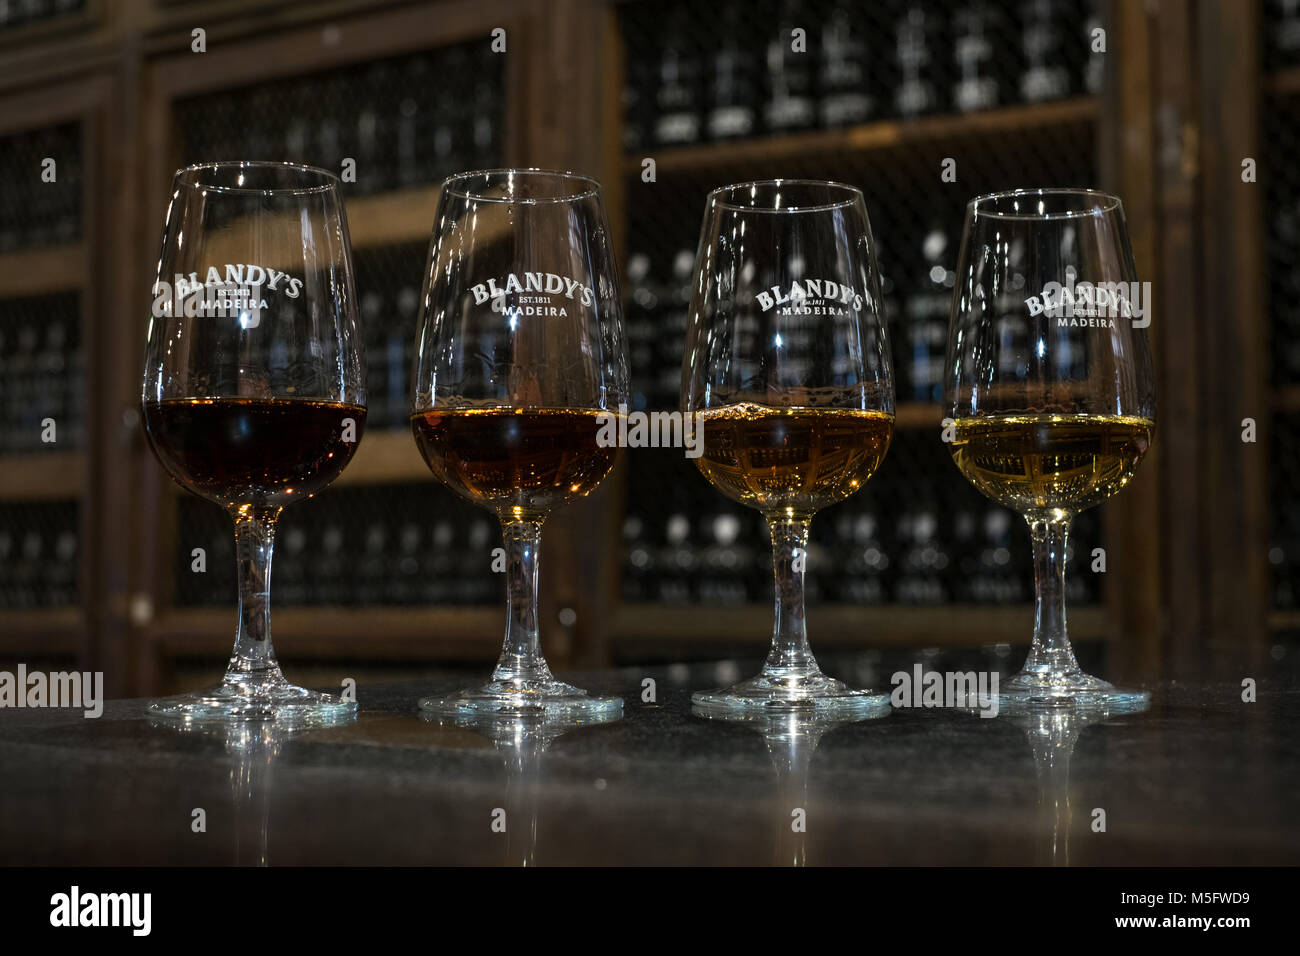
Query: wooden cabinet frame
column 1187, row 542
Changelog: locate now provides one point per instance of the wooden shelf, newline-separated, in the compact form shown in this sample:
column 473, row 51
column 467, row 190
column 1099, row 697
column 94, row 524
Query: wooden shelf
column 393, row 633
column 918, row 415
column 1282, row 82
column 406, row 215
column 402, row 216
column 25, row 36
column 832, row 625
column 44, row 632
column 1284, row 620
column 475, row 632
column 39, row 271
column 870, row 137
column 1286, row 398
column 42, row 476
column 387, row 455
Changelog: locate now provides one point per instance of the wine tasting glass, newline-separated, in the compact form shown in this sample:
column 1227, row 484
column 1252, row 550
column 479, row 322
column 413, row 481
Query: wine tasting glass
column 1050, row 394
column 521, row 361
column 253, row 395
column 787, row 371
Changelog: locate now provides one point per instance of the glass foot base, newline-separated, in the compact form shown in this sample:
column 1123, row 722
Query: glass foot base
column 281, row 702
column 1029, row 693
column 551, row 699
column 816, row 696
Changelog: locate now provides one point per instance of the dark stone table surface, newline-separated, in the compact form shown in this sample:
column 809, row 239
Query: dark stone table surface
column 1201, row 778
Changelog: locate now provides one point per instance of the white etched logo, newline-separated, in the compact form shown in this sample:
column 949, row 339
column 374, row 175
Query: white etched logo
column 238, row 291
column 533, row 294
column 810, row 297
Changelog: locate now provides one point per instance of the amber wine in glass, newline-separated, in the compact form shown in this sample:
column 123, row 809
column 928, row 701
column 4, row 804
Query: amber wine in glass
column 521, row 361
column 1050, row 395
column 787, row 372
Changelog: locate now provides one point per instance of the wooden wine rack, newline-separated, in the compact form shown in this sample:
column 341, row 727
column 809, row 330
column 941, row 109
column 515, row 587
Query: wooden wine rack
column 1169, row 126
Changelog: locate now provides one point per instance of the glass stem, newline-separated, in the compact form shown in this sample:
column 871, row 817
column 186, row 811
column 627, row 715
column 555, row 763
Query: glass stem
column 521, row 657
column 254, row 658
column 1051, row 657
column 790, row 656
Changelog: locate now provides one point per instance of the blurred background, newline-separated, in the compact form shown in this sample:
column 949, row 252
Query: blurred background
column 1186, row 108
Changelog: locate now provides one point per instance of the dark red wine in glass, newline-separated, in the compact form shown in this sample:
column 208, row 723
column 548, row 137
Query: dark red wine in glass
column 254, row 394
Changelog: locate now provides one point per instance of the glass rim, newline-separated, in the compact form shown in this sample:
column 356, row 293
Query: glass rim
column 853, row 195
column 1101, row 204
column 188, row 176
column 591, row 186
